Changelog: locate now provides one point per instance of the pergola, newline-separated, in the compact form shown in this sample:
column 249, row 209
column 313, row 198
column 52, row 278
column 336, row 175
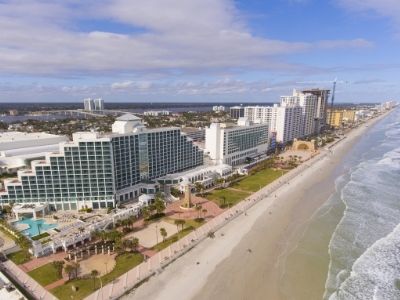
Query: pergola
column 19, row 209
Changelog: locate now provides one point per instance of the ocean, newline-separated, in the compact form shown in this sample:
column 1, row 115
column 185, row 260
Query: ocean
column 351, row 248
column 365, row 247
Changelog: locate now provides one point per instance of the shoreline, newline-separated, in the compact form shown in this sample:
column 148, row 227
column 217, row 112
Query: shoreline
column 204, row 272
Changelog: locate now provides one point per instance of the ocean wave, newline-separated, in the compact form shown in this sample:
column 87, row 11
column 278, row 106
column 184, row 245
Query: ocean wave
column 375, row 274
column 372, row 212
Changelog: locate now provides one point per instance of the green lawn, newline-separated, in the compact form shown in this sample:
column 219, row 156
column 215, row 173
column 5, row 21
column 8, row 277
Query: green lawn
column 224, row 197
column 20, row 257
column 173, row 238
column 124, row 263
column 252, row 183
column 45, row 274
column 40, row 236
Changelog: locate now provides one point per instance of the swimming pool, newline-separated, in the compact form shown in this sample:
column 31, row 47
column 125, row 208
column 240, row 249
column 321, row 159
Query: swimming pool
column 36, row 227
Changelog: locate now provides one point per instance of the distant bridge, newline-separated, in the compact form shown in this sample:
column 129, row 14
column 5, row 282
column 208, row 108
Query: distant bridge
column 73, row 112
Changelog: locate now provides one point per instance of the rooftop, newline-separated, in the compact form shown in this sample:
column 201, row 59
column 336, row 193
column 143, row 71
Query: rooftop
column 128, row 117
column 13, row 136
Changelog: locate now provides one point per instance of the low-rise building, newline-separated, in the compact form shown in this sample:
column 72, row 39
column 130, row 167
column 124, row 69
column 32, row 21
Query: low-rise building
column 218, row 108
column 17, row 149
column 156, row 113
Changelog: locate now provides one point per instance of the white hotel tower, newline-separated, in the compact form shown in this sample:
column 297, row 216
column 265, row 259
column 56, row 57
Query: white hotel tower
column 232, row 144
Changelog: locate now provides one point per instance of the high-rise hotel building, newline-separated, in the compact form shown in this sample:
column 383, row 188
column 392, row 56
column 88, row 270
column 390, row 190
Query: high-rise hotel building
column 232, row 144
column 98, row 171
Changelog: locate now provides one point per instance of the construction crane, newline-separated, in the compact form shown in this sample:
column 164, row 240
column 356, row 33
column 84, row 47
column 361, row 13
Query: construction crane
column 332, row 101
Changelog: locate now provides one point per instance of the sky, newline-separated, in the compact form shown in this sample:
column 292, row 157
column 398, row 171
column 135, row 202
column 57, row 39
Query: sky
column 197, row 50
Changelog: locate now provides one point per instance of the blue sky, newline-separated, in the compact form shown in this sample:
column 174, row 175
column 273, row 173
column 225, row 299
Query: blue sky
column 197, row 50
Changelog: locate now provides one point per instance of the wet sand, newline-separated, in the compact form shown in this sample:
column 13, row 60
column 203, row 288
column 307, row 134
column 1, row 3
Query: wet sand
column 246, row 259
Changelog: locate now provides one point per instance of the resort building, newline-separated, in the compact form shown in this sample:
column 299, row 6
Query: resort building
column 341, row 117
column 288, row 123
column 233, row 144
column 196, row 134
column 261, row 114
column 309, row 105
column 204, row 175
column 17, row 149
column 218, row 108
column 156, row 113
column 236, row 112
column 285, row 121
column 90, row 104
column 99, row 171
column 322, row 106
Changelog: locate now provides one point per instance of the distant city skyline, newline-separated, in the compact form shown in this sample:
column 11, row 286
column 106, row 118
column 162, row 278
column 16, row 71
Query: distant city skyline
column 215, row 51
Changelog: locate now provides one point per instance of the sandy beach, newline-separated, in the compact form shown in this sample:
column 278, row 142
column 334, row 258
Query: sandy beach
column 245, row 259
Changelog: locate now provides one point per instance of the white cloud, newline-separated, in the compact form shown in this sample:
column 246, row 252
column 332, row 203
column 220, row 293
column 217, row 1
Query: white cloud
column 202, row 36
column 386, row 8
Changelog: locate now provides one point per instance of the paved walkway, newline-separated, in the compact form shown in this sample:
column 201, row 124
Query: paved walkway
column 55, row 284
column 38, row 262
column 174, row 210
column 238, row 190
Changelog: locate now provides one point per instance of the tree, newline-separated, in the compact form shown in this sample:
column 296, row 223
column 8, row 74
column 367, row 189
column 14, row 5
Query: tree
column 127, row 244
column 94, row 274
column 119, row 246
column 75, row 267
column 199, row 188
column 58, row 265
column 146, row 212
column 220, row 181
column 176, row 222
column 159, row 205
column 223, row 201
column 163, row 233
column 7, row 209
column 181, row 223
column 135, row 244
column 198, row 208
column 69, row 269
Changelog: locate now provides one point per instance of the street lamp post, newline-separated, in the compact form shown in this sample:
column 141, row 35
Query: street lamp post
column 101, row 287
column 157, row 233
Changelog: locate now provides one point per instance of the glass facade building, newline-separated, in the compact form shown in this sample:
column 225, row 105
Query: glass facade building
column 92, row 169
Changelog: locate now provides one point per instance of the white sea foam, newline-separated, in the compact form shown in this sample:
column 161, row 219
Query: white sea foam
column 375, row 274
column 372, row 212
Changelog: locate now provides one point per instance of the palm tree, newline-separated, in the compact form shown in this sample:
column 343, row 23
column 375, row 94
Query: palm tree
column 176, row 222
column 94, row 274
column 69, row 269
column 199, row 188
column 198, row 208
column 181, row 222
column 223, row 201
column 163, row 233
